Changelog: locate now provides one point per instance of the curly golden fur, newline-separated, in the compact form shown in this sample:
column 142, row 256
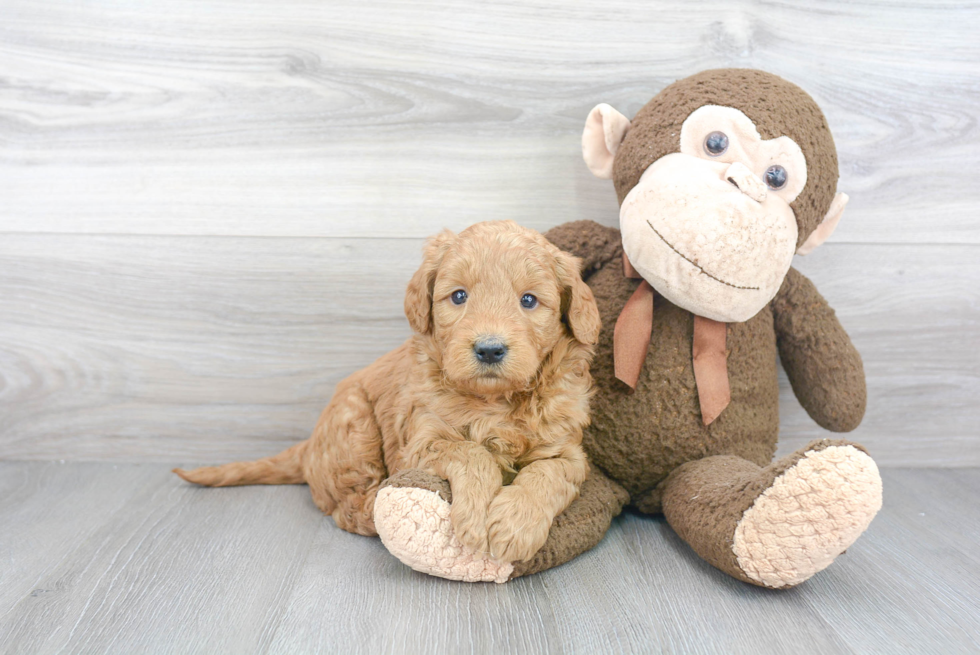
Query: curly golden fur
column 433, row 404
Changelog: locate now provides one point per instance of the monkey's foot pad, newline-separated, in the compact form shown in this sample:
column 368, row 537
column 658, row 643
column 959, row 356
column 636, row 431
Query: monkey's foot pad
column 810, row 515
column 414, row 526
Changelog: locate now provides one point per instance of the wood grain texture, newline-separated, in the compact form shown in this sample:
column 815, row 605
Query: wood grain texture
column 183, row 344
column 259, row 570
column 48, row 510
column 359, row 118
column 209, row 209
column 176, row 571
column 142, row 348
column 913, row 312
column 927, row 524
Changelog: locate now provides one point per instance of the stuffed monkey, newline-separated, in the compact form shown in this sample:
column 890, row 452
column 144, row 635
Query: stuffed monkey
column 721, row 178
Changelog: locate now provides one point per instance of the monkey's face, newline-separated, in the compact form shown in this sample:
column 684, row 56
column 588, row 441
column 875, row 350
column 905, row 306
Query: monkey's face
column 711, row 227
column 721, row 177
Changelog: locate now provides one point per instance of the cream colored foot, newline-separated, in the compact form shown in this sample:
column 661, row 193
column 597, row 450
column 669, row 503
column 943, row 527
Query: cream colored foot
column 811, row 514
column 414, row 526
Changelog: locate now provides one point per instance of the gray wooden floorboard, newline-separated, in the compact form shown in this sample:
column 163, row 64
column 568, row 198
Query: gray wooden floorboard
column 167, row 567
column 180, row 571
column 48, row 509
column 912, row 583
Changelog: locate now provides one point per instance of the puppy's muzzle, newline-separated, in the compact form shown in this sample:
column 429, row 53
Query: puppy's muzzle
column 491, row 350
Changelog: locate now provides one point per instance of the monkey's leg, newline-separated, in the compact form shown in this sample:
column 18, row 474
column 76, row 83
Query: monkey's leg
column 412, row 517
column 779, row 525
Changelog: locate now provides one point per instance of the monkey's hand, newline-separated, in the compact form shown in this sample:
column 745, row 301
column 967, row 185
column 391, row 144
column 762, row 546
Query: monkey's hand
column 823, row 366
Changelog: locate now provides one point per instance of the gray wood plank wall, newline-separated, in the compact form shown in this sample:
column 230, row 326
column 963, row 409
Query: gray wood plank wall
column 209, row 210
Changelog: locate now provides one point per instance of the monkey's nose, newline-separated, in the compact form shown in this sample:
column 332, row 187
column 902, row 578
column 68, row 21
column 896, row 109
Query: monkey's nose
column 743, row 179
column 490, row 350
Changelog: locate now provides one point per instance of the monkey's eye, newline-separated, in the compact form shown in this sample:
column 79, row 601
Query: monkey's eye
column 458, row 297
column 776, row 177
column 716, row 143
column 528, row 301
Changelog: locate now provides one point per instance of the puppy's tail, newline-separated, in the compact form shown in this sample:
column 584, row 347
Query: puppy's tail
column 284, row 468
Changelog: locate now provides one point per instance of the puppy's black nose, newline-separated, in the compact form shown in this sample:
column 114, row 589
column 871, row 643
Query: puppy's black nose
column 490, row 351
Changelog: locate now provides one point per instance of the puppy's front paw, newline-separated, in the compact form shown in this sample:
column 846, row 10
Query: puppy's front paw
column 469, row 519
column 517, row 526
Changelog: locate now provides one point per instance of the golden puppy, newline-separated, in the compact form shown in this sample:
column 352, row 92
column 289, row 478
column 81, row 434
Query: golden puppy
column 495, row 381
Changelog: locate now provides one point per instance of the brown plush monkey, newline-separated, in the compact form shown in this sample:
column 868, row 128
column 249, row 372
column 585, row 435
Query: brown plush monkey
column 721, row 178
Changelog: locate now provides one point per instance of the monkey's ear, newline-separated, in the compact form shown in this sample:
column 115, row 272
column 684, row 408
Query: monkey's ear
column 418, row 296
column 827, row 227
column 605, row 129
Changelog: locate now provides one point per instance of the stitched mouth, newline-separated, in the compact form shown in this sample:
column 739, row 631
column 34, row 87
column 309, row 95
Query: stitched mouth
column 682, row 256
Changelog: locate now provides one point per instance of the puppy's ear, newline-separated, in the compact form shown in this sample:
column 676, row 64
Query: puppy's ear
column 418, row 296
column 579, row 310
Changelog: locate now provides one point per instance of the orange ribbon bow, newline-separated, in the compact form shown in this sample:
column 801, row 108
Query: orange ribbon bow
column 631, row 340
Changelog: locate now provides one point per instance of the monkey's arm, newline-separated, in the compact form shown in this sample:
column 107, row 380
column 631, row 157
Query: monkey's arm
column 824, row 368
column 596, row 245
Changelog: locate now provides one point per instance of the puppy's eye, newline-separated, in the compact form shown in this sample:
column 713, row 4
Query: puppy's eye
column 716, row 143
column 458, row 297
column 776, row 177
column 528, row 301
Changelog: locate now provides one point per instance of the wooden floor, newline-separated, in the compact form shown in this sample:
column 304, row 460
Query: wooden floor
column 103, row 558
